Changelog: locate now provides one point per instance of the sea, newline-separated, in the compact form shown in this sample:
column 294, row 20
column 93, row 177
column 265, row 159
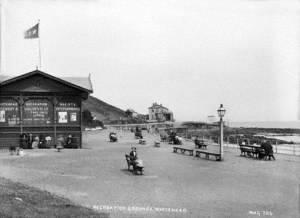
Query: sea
column 282, row 125
column 268, row 124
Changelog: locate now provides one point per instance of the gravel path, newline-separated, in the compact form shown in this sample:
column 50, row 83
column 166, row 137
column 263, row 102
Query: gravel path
column 174, row 185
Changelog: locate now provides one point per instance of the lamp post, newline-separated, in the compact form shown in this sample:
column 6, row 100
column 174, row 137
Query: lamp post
column 221, row 113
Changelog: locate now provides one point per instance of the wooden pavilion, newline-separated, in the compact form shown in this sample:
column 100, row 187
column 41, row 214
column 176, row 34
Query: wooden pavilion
column 37, row 104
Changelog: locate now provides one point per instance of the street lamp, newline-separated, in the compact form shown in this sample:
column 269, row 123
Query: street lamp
column 221, row 113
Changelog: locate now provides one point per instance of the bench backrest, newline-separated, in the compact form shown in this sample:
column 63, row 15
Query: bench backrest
column 9, row 142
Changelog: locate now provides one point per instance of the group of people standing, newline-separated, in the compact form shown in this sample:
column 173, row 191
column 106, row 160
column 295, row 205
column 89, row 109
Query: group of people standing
column 268, row 148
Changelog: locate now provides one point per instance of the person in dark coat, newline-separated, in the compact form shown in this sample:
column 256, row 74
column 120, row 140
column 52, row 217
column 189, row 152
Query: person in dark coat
column 263, row 151
column 30, row 140
column 133, row 154
column 60, row 142
column 137, row 163
column 69, row 141
column 133, row 158
column 113, row 137
column 269, row 150
column 172, row 137
column 23, row 141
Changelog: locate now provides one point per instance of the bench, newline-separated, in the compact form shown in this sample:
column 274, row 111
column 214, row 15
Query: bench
column 207, row 154
column 247, row 150
column 138, row 135
column 183, row 150
column 163, row 138
column 10, row 143
column 132, row 163
column 14, row 149
column 142, row 141
column 258, row 152
column 113, row 137
column 200, row 144
column 252, row 151
column 255, row 151
column 156, row 144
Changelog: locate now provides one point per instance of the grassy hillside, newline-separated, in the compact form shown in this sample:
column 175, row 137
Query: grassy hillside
column 102, row 110
column 18, row 200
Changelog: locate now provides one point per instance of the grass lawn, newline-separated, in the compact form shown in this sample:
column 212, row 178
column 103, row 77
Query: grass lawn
column 18, row 200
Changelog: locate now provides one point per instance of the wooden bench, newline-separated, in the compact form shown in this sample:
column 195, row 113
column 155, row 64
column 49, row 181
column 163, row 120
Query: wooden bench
column 207, row 154
column 14, row 149
column 113, row 137
column 10, row 143
column 163, row 138
column 138, row 135
column 247, row 150
column 200, row 144
column 254, row 151
column 156, row 144
column 142, row 141
column 132, row 163
column 183, row 150
column 251, row 151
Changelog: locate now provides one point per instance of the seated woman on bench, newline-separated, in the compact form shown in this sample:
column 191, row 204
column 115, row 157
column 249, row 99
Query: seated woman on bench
column 134, row 158
column 199, row 143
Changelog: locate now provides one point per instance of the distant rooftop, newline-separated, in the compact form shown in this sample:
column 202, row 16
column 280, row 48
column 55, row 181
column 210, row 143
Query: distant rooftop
column 155, row 105
column 83, row 82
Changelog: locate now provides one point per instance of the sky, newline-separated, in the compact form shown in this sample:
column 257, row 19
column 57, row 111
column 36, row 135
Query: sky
column 190, row 56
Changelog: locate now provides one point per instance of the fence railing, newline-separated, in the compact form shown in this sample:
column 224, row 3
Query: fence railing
column 290, row 149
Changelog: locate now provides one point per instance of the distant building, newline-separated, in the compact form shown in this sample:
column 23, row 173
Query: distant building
column 211, row 119
column 131, row 113
column 159, row 113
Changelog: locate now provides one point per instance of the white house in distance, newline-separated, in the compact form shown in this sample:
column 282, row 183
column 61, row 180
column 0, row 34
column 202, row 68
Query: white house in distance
column 159, row 113
column 211, row 119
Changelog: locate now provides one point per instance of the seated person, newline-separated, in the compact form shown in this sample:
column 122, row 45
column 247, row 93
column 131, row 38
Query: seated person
column 197, row 141
column 113, row 137
column 177, row 140
column 133, row 154
column 134, row 158
column 69, row 141
column 172, row 137
column 138, row 135
column 23, row 141
column 35, row 143
column 48, row 141
column 60, row 142
column 41, row 142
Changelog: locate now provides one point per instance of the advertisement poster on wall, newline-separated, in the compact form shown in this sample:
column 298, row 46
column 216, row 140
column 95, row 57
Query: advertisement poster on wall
column 2, row 116
column 73, row 117
column 62, row 117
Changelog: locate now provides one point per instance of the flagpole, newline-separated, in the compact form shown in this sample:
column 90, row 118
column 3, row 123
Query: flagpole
column 40, row 58
column 2, row 35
